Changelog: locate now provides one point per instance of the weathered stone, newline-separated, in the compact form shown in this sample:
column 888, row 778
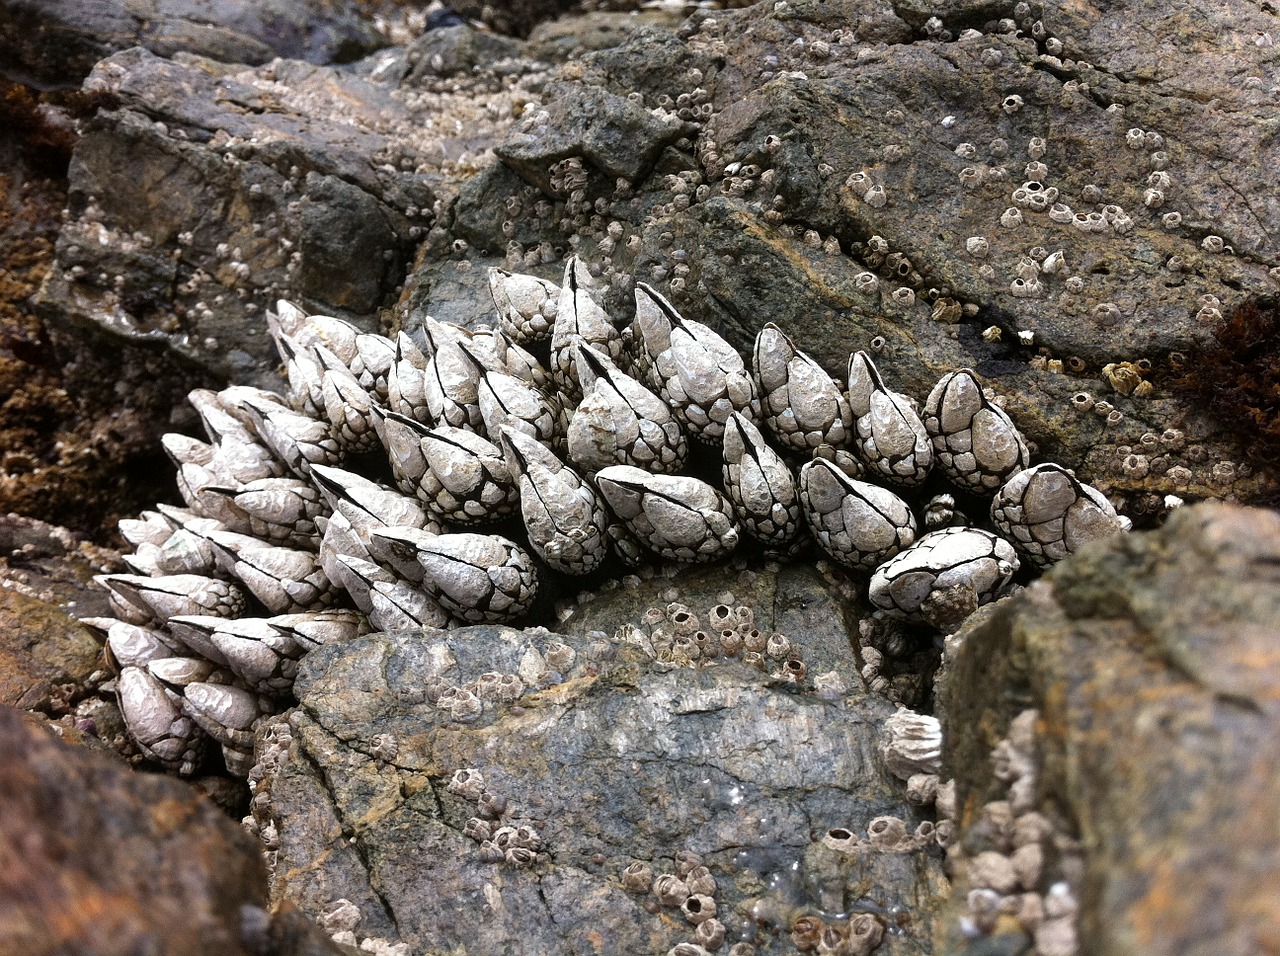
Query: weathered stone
column 46, row 656
column 1153, row 660
column 619, row 138
column 456, row 49
column 613, row 759
column 58, row 42
column 803, row 116
column 96, row 858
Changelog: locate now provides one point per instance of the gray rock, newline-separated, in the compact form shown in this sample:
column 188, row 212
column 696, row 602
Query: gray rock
column 209, row 192
column 456, row 49
column 1151, row 658
column 59, row 41
column 616, row 136
column 614, row 759
column 810, row 107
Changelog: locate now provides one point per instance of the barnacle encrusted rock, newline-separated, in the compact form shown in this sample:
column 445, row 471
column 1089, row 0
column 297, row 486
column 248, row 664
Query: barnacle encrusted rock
column 693, row 758
column 1128, row 647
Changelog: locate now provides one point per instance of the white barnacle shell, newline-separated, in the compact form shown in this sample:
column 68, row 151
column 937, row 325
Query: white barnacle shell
column 802, row 405
column 565, row 519
column 620, row 421
column 144, row 600
column 507, row 400
column 355, row 575
column 578, row 315
column 1048, row 514
column 889, row 435
column 264, row 657
column 679, row 517
column 156, row 723
column 760, row 485
column 283, row 511
column 526, row 305
column 450, row 383
column 859, row 524
column 479, row 578
column 305, row 377
column 284, row 580
column 131, row 645
column 368, row 356
column 393, row 603
column 346, row 405
column 398, row 549
column 700, row 376
column 968, row 561
column 294, row 439
column 466, row 479
column 227, row 714
column 406, row 381
column 912, row 744
column 310, row 629
column 974, row 441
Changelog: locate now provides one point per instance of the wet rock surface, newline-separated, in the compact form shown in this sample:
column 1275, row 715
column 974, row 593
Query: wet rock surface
column 59, row 42
column 95, row 858
column 1151, row 658
column 619, row 762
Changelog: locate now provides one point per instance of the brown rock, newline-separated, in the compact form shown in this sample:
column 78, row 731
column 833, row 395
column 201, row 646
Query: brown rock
column 97, row 859
column 1155, row 662
column 94, row 858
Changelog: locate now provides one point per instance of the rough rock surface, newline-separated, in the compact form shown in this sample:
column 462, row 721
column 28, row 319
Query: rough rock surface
column 767, row 214
column 58, row 42
column 97, row 859
column 1153, row 661
column 46, row 656
column 614, row 760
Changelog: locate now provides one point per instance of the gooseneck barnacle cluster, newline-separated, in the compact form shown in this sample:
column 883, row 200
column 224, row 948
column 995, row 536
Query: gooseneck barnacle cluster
column 285, row 544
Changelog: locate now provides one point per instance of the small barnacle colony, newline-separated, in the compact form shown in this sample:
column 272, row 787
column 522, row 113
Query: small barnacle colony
column 294, row 534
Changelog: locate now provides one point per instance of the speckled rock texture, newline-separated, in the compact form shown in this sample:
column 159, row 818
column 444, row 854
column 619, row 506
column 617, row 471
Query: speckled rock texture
column 59, row 41
column 46, row 656
column 1153, row 661
column 614, row 760
column 861, row 175
column 97, row 859
column 771, row 212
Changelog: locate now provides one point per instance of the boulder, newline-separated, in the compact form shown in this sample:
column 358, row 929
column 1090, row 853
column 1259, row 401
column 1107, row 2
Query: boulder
column 1153, row 661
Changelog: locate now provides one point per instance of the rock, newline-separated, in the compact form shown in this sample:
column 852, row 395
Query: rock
column 59, row 42
column 765, row 211
column 517, row 17
column 46, row 655
column 619, row 138
column 99, row 859
column 456, row 49
column 1152, row 659
column 612, row 758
